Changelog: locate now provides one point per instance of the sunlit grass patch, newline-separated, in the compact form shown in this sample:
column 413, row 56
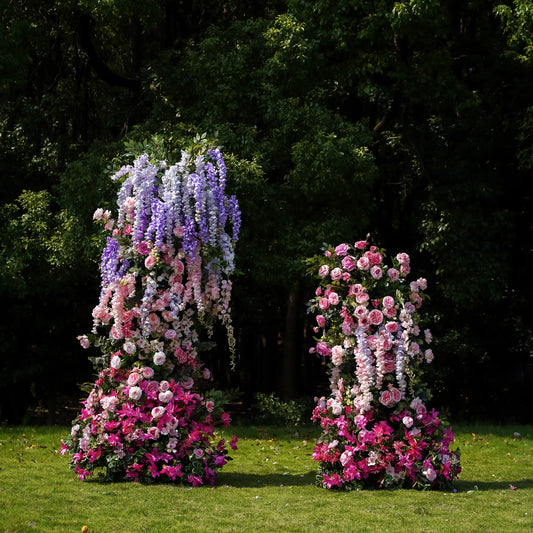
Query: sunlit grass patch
column 269, row 486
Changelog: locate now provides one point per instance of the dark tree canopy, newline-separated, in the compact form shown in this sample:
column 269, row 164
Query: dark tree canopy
column 409, row 121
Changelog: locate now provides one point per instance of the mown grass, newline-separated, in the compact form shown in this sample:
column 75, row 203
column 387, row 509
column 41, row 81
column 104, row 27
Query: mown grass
column 268, row 487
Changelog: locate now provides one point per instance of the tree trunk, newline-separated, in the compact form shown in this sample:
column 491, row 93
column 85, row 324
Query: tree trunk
column 291, row 344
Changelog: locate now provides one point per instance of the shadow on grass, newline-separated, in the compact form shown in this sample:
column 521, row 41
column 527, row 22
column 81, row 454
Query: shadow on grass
column 236, row 479
column 465, row 486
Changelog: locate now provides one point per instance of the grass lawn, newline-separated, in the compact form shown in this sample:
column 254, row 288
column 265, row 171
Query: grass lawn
column 268, row 487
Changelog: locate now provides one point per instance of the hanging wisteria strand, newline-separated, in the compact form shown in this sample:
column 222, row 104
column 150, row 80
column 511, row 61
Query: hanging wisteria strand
column 377, row 431
column 165, row 278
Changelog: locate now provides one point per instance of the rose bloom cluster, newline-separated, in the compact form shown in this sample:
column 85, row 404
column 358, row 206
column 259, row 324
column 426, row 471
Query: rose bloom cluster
column 165, row 280
column 377, row 432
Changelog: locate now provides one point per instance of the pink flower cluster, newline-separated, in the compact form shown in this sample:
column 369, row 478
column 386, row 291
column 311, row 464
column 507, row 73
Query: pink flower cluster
column 160, row 285
column 146, row 429
column 375, row 433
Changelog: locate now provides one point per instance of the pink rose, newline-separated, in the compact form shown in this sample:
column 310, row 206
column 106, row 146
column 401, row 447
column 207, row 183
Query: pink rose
column 388, row 301
column 389, row 366
column 321, row 321
column 323, row 303
column 396, row 394
column 422, row 283
column 389, row 312
column 375, row 258
column 159, row 358
column 133, row 379
column 198, row 453
column 391, row 327
column 349, row 263
column 404, row 269
column 430, row 473
column 336, row 274
column 376, row 317
column 361, row 297
column 322, row 349
column 337, row 353
column 363, row 263
column 407, row 421
column 188, row 383
column 128, row 229
column 333, row 298
column 147, row 372
column 116, row 361
column 376, row 272
column 84, row 341
column 164, row 385
column 135, row 393
column 393, row 274
column 152, row 388
column 428, row 336
column 402, row 258
column 323, row 271
column 361, row 311
column 129, row 347
column 158, row 412
column 129, row 204
column 170, row 334
column 428, row 354
column 342, row 249
column 149, row 262
column 385, row 398
column 165, row 397
column 361, row 245
column 209, row 405
column 153, row 433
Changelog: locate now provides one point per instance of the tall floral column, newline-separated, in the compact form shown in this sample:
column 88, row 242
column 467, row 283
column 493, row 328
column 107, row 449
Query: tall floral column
column 377, row 430
column 165, row 278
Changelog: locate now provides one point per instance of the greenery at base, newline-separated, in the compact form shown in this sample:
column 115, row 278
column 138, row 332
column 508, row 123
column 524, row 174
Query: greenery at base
column 268, row 487
column 293, row 413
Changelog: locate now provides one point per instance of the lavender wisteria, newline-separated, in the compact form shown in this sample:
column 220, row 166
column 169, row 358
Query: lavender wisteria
column 165, row 275
column 377, row 430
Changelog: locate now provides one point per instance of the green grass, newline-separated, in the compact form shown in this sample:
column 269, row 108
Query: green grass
column 268, row 487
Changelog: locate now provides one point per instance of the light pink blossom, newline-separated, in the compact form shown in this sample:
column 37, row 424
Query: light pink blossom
column 323, row 271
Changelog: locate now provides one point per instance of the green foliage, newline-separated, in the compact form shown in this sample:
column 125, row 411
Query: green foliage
column 39, row 243
column 293, row 413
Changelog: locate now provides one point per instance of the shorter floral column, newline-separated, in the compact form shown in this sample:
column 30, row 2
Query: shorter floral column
column 378, row 431
column 165, row 278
